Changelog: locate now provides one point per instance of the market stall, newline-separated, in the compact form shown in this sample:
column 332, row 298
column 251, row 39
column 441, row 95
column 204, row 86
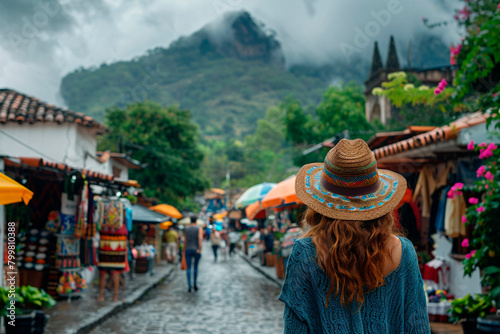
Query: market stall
column 431, row 216
column 10, row 192
column 57, row 231
column 147, row 236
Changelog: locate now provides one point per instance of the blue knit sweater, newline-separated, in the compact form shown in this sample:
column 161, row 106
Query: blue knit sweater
column 397, row 307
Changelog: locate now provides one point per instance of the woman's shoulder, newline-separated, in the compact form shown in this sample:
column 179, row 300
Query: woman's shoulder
column 408, row 256
column 407, row 247
column 304, row 249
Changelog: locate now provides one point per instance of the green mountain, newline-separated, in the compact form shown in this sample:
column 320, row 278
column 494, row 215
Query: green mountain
column 227, row 74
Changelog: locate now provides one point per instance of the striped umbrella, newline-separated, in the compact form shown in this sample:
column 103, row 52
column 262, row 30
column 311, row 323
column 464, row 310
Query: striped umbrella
column 253, row 194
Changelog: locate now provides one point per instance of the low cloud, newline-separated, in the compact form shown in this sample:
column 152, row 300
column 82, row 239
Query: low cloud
column 42, row 40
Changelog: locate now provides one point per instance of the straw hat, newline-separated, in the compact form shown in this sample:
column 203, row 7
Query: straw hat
column 348, row 185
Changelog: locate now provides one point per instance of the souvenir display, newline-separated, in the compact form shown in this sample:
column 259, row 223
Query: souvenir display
column 111, row 213
column 67, row 225
column 53, row 222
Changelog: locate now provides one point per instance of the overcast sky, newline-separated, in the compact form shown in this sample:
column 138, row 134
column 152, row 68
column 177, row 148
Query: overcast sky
column 42, row 40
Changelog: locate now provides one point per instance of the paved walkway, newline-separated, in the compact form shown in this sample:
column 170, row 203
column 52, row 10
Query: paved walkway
column 81, row 315
column 232, row 298
column 269, row 272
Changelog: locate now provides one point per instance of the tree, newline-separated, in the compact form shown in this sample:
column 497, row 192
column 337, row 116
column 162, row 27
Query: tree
column 417, row 104
column 478, row 57
column 166, row 140
column 343, row 108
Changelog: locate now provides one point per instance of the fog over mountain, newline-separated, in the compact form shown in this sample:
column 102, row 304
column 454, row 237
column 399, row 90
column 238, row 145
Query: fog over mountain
column 41, row 41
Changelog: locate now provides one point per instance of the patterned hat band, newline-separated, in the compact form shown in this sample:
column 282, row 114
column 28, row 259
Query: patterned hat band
column 349, row 191
column 351, row 181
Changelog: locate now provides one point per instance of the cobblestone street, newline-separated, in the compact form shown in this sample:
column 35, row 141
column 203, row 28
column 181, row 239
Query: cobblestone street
column 232, row 298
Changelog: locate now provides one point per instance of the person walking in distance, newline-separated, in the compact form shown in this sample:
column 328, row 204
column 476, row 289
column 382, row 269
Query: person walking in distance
column 352, row 272
column 233, row 237
column 172, row 244
column 215, row 240
column 193, row 241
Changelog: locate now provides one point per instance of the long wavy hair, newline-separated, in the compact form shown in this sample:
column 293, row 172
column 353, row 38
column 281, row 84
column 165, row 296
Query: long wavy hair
column 351, row 253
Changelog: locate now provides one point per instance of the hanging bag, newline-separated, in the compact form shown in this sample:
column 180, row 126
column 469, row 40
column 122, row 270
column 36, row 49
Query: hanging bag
column 184, row 265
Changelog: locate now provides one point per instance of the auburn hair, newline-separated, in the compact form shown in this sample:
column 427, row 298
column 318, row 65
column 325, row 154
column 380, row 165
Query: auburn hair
column 351, row 253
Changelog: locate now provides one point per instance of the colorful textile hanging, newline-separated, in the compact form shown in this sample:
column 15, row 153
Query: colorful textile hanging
column 113, row 248
column 111, row 214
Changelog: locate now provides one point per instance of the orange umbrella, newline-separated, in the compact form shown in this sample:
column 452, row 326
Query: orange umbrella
column 255, row 210
column 167, row 210
column 13, row 192
column 283, row 193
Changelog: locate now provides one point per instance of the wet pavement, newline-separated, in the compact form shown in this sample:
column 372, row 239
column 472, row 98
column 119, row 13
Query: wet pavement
column 79, row 315
column 232, row 298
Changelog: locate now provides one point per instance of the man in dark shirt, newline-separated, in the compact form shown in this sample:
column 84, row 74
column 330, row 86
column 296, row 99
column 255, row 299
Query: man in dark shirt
column 267, row 240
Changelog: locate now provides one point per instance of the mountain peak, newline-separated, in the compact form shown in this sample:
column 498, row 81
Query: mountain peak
column 236, row 35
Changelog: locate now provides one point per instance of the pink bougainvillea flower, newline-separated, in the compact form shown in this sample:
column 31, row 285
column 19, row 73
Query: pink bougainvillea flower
column 458, row 185
column 492, row 147
column 486, row 186
column 465, row 243
column 471, row 254
column 485, row 153
column 451, row 194
column 480, row 171
column 483, row 145
column 470, row 146
column 473, row 200
column 488, row 176
column 464, row 219
column 480, row 209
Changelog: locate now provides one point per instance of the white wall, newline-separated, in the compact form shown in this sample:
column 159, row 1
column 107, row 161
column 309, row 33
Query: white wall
column 459, row 285
column 107, row 167
column 66, row 143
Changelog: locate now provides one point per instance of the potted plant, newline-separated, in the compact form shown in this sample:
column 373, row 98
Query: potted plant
column 467, row 309
column 29, row 303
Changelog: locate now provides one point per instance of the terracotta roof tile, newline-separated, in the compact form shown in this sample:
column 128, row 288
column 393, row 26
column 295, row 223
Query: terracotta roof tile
column 20, row 108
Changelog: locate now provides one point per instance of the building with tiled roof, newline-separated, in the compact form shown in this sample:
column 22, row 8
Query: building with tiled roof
column 20, row 108
column 30, row 127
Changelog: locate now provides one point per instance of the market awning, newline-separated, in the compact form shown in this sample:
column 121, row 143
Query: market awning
column 141, row 214
column 283, row 193
column 167, row 210
column 49, row 165
column 214, row 193
column 438, row 135
column 166, row 225
column 129, row 183
column 255, row 211
column 382, row 139
column 13, row 192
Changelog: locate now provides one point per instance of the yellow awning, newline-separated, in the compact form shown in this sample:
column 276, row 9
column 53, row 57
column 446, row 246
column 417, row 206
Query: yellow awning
column 13, row 192
column 167, row 210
